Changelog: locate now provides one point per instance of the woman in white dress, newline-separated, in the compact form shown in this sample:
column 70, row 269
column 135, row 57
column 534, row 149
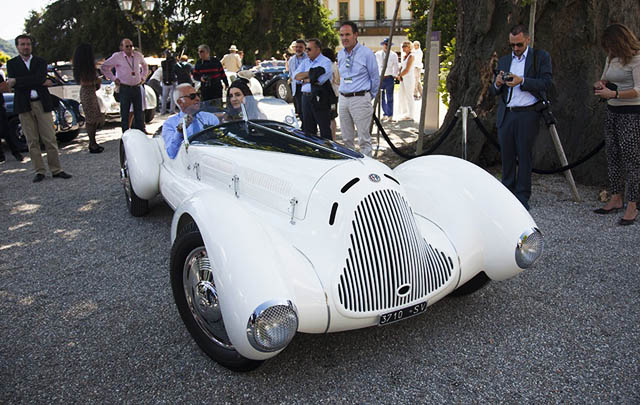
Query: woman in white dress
column 407, row 84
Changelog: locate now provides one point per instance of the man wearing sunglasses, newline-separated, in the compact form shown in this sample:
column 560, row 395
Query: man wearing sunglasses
column 314, row 72
column 211, row 75
column 521, row 84
column 188, row 102
column 130, row 73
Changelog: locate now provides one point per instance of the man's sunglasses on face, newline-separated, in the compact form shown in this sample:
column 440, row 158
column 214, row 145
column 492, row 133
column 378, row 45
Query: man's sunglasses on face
column 519, row 45
column 128, row 46
column 191, row 96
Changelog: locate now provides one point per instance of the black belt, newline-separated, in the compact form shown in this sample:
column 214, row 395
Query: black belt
column 35, row 99
column 531, row 107
column 357, row 93
column 307, row 93
column 388, row 76
column 126, row 85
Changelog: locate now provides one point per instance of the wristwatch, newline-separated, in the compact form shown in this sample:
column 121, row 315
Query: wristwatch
column 617, row 94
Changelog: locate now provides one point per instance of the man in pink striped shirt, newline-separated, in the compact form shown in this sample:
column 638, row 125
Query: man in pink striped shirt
column 130, row 73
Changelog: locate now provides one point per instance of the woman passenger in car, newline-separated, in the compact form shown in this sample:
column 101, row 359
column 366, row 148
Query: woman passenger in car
column 239, row 93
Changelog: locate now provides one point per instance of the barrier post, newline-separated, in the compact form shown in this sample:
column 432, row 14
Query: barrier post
column 563, row 161
column 465, row 117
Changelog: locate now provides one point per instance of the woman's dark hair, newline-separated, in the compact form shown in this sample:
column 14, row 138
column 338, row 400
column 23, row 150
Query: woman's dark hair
column 84, row 64
column 242, row 85
column 329, row 54
column 620, row 42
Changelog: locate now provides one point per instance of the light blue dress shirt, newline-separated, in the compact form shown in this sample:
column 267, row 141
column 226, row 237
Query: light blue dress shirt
column 519, row 97
column 308, row 64
column 358, row 70
column 294, row 62
column 173, row 138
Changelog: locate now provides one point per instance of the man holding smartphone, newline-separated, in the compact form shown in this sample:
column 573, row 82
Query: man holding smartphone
column 522, row 81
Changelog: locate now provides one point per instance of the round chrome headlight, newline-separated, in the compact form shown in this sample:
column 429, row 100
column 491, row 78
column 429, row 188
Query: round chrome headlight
column 529, row 248
column 272, row 326
column 289, row 119
column 68, row 118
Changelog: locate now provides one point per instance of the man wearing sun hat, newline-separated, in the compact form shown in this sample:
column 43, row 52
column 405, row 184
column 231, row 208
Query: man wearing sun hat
column 231, row 61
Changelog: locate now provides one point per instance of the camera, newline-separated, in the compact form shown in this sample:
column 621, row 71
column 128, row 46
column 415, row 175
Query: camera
column 507, row 77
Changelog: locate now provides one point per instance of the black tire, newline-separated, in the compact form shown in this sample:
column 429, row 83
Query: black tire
column 148, row 115
column 471, row 286
column 68, row 136
column 16, row 136
column 191, row 273
column 282, row 90
column 136, row 205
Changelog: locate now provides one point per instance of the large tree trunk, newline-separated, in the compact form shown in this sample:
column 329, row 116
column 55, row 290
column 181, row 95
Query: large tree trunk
column 570, row 31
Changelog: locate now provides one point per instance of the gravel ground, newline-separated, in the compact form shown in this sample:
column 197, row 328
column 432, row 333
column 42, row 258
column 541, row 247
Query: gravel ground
column 87, row 313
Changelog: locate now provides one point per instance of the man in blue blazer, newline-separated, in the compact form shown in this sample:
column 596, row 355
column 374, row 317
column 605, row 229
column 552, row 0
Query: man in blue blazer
column 521, row 84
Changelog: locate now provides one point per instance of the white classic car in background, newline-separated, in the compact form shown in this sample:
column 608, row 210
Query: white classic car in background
column 67, row 88
column 276, row 233
column 110, row 104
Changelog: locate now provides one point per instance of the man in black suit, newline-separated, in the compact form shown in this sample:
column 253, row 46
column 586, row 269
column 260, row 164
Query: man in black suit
column 521, row 91
column 28, row 76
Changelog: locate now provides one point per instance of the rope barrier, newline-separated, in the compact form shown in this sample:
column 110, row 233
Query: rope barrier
column 444, row 136
column 542, row 171
column 492, row 141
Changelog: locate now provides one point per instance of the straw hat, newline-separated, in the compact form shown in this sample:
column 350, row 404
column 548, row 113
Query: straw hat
column 233, row 48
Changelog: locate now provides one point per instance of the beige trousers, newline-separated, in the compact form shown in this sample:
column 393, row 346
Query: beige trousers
column 355, row 113
column 37, row 126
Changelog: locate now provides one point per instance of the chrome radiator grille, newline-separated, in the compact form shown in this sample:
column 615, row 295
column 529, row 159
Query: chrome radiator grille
column 386, row 255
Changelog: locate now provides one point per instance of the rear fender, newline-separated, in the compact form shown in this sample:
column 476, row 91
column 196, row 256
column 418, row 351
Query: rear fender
column 143, row 160
column 253, row 264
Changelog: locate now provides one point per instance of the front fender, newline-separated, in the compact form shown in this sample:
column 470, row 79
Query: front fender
column 143, row 161
column 252, row 264
column 481, row 217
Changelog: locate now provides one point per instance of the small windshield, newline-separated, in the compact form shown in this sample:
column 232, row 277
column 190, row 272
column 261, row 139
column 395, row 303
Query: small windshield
column 258, row 123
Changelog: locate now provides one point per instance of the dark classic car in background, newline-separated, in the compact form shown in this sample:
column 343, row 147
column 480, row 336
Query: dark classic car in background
column 67, row 120
column 273, row 77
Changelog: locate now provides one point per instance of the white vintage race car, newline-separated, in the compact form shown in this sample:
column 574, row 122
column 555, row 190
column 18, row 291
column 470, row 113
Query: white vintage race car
column 276, row 233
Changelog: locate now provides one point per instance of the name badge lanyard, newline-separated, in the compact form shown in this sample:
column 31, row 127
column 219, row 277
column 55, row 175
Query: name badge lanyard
column 131, row 65
column 349, row 64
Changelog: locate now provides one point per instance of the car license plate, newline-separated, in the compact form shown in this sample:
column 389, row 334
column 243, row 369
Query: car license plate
column 403, row 313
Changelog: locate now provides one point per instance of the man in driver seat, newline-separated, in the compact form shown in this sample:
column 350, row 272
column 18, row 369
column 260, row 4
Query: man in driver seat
column 188, row 101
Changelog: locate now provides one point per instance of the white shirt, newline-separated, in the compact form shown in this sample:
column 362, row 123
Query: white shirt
column 418, row 55
column 157, row 75
column 33, row 94
column 520, row 98
column 392, row 66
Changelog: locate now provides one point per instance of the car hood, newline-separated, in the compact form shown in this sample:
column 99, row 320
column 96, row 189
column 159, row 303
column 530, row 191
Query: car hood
column 269, row 181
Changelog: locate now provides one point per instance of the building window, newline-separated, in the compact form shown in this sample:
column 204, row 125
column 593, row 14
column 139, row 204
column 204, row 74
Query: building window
column 380, row 11
column 343, row 11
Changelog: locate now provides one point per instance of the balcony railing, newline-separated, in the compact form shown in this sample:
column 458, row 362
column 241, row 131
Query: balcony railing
column 400, row 23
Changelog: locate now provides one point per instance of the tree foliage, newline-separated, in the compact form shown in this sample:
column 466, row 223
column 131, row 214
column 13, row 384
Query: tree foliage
column 445, row 17
column 267, row 26
column 262, row 28
column 66, row 23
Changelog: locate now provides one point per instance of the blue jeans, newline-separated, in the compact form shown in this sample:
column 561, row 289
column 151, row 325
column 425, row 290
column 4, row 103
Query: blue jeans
column 131, row 95
column 387, row 96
